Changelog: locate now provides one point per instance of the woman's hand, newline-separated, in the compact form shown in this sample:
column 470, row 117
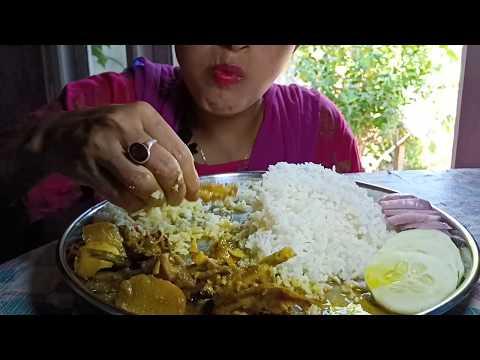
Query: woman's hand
column 405, row 212
column 90, row 146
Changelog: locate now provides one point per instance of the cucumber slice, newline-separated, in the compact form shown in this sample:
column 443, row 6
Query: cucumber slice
column 430, row 242
column 408, row 282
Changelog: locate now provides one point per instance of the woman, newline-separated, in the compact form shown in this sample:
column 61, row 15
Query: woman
column 218, row 112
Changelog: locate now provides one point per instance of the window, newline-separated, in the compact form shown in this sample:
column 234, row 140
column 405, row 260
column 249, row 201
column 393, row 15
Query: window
column 400, row 100
column 106, row 58
column 65, row 63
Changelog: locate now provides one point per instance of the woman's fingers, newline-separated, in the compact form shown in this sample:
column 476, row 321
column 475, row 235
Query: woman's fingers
column 166, row 169
column 136, row 179
column 97, row 140
column 160, row 175
column 158, row 129
column 99, row 179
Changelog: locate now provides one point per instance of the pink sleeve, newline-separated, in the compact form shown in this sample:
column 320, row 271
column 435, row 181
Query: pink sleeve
column 337, row 144
column 104, row 89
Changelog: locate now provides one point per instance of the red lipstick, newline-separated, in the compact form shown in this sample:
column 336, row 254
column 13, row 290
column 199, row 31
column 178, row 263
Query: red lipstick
column 227, row 74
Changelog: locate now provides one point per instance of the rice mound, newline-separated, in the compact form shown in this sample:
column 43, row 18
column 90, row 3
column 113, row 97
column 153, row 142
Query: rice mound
column 331, row 223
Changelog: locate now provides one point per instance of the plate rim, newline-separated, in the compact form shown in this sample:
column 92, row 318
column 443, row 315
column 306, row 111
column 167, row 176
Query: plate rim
column 444, row 306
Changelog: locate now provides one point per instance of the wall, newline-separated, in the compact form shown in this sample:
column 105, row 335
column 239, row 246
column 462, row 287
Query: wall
column 22, row 85
column 467, row 132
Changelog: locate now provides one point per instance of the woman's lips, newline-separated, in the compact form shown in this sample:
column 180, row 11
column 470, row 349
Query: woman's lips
column 227, row 74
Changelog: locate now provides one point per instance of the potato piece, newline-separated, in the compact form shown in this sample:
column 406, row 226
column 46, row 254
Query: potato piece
column 106, row 233
column 102, row 247
column 86, row 266
column 147, row 295
column 100, row 238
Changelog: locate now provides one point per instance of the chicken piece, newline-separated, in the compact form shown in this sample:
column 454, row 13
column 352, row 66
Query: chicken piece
column 221, row 252
column 167, row 271
column 148, row 266
column 261, row 273
column 174, row 272
column 229, row 283
column 240, row 280
column 147, row 295
column 252, row 289
column 145, row 244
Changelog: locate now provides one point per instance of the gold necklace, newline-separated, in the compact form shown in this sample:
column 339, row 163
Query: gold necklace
column 247, row 155
column 204, row 158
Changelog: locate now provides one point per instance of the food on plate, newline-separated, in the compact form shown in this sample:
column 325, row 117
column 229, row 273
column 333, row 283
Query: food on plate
column 300, row 240
column 414, row 271
column 404, row 212
column 147, row 294
column 103, row 249
column 432, row 242
column 212, row 192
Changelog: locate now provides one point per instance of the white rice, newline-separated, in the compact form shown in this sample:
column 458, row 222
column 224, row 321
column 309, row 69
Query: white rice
column 331, row 223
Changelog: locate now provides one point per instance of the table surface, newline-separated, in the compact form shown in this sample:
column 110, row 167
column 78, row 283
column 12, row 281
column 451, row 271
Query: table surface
column 32, row 283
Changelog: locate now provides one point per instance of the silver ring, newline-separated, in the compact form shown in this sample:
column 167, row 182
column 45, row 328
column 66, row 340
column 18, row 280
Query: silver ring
column 139, row 153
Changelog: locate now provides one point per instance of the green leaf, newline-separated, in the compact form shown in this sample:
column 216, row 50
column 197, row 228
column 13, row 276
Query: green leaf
column 97, row 51
column 451, row 54
column 102, row 59
column 372, row 90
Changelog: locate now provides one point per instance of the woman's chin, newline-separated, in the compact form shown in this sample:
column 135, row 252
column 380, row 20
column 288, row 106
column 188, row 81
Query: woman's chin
column 224, row 110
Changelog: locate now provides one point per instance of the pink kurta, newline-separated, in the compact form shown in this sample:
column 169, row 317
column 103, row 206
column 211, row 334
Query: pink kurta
column 299, row 125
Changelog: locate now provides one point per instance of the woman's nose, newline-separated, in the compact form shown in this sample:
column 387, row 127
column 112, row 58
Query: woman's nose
column 235, row 47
